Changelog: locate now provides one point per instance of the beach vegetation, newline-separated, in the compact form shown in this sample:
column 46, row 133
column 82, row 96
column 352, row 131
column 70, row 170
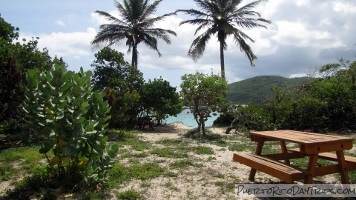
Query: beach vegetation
column 203, row 95
column 325, row 103
column 69, row 120
column 121, row 85
column 17, row 56
column 160, row 99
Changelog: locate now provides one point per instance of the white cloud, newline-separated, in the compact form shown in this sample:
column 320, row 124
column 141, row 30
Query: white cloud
column 345, row 8
column 72, row 45
column 98, row 19
column 297, row 75
column 60, row 23
column 297, row 33
column 302, row 2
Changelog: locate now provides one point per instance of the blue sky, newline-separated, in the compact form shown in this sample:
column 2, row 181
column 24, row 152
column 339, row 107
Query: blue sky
column 304, row 35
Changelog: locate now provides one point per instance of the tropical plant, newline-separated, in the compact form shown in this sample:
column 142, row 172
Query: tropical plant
column 16, row 58
column 121, row 85
column 203, row 95
column 70, row 121
column 160, row 99
column 135, row 25
column 223, row 18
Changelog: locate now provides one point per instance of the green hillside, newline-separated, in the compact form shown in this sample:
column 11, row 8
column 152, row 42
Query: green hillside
column 258, row 88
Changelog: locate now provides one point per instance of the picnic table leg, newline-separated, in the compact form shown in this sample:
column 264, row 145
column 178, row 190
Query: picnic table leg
column 308, row 179
column 258, row 152
column 284, row 151
column 342, row 167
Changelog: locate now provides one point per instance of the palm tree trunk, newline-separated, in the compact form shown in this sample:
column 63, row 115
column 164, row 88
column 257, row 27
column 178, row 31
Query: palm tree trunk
column 134, row 56
column 222, row 60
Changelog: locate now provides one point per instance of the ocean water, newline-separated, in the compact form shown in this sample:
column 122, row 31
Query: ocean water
column 187, row 118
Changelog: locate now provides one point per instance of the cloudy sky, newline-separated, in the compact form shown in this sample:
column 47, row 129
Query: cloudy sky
column 304, row 35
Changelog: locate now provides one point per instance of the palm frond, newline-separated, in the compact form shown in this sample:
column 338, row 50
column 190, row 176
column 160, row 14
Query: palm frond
column 198, row 45
column 244, row 47
column 149, row 10
column 194, row 12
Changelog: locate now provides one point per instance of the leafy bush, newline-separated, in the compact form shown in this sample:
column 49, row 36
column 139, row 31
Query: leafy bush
column 203, row 94
column 121, row 84
column 69, row 119
column 325, row 104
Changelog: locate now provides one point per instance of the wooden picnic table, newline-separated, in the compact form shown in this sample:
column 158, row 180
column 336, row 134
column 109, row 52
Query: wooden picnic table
column 311, row 145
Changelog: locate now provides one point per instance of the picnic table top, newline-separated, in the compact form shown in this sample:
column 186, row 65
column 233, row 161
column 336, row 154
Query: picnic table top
column 305, row 138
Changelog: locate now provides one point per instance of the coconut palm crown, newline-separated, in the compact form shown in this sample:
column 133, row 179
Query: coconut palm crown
column 135, row 25
column 223, row 18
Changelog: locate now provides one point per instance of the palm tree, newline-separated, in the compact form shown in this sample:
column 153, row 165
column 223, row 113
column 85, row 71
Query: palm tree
column 134, row 26
column 223, row 17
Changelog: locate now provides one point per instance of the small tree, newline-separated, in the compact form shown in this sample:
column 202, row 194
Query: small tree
column 121, row 84
column 203, row 95
column 160, row 99
column 16, row 58
column 70, row 119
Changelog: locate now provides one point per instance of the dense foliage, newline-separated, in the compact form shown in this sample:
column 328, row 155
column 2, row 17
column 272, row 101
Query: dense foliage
column 325, row 104
column 16, row 58
column 160, row 99
column 128, row 95
column 121, row 85
column 203, row 94
column 69, row 119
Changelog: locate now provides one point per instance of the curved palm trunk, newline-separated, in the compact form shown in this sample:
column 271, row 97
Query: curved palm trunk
column 222, row 61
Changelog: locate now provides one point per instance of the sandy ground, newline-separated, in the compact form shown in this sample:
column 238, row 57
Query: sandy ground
column 215, row 180
column 214, row 177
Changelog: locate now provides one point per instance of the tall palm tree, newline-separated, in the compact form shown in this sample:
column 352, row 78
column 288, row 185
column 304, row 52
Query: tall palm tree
column 223, row 18
column 135, row 26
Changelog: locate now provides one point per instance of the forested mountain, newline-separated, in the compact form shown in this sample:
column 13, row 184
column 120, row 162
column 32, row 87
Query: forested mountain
column 258, row 88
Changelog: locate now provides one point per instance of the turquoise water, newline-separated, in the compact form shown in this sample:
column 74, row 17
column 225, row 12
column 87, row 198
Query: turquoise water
column 187, row 118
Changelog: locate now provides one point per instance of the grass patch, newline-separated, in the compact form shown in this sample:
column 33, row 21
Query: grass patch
column 36, row 185
column 202, row 150
column 25, row 158
column 168, row 142
column 169, row 153
column 184, row 164
column 28, row 154
column 145, row 171
column 209, row 137
column 241, row 147
column 129, row 195
column 6, row 172
column 129, row 138
column 120, row 174
column 170, row 174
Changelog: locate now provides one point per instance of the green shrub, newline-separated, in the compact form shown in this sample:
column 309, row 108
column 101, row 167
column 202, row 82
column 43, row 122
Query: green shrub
column 69, row 119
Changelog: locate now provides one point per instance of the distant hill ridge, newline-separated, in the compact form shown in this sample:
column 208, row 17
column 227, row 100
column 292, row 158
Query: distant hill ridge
column 257, row 89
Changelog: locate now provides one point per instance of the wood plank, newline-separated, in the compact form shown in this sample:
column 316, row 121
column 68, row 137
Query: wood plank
column 308, row 179
column 258, row 152
column 281, row 156
column 327, row 147
column 342, row 167
column 300, row 137
column 284, row 151
column 330, row 169
column 274, row 168
column 331, row 156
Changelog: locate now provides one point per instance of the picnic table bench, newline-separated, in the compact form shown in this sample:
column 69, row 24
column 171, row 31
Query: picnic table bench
column 311, row 145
